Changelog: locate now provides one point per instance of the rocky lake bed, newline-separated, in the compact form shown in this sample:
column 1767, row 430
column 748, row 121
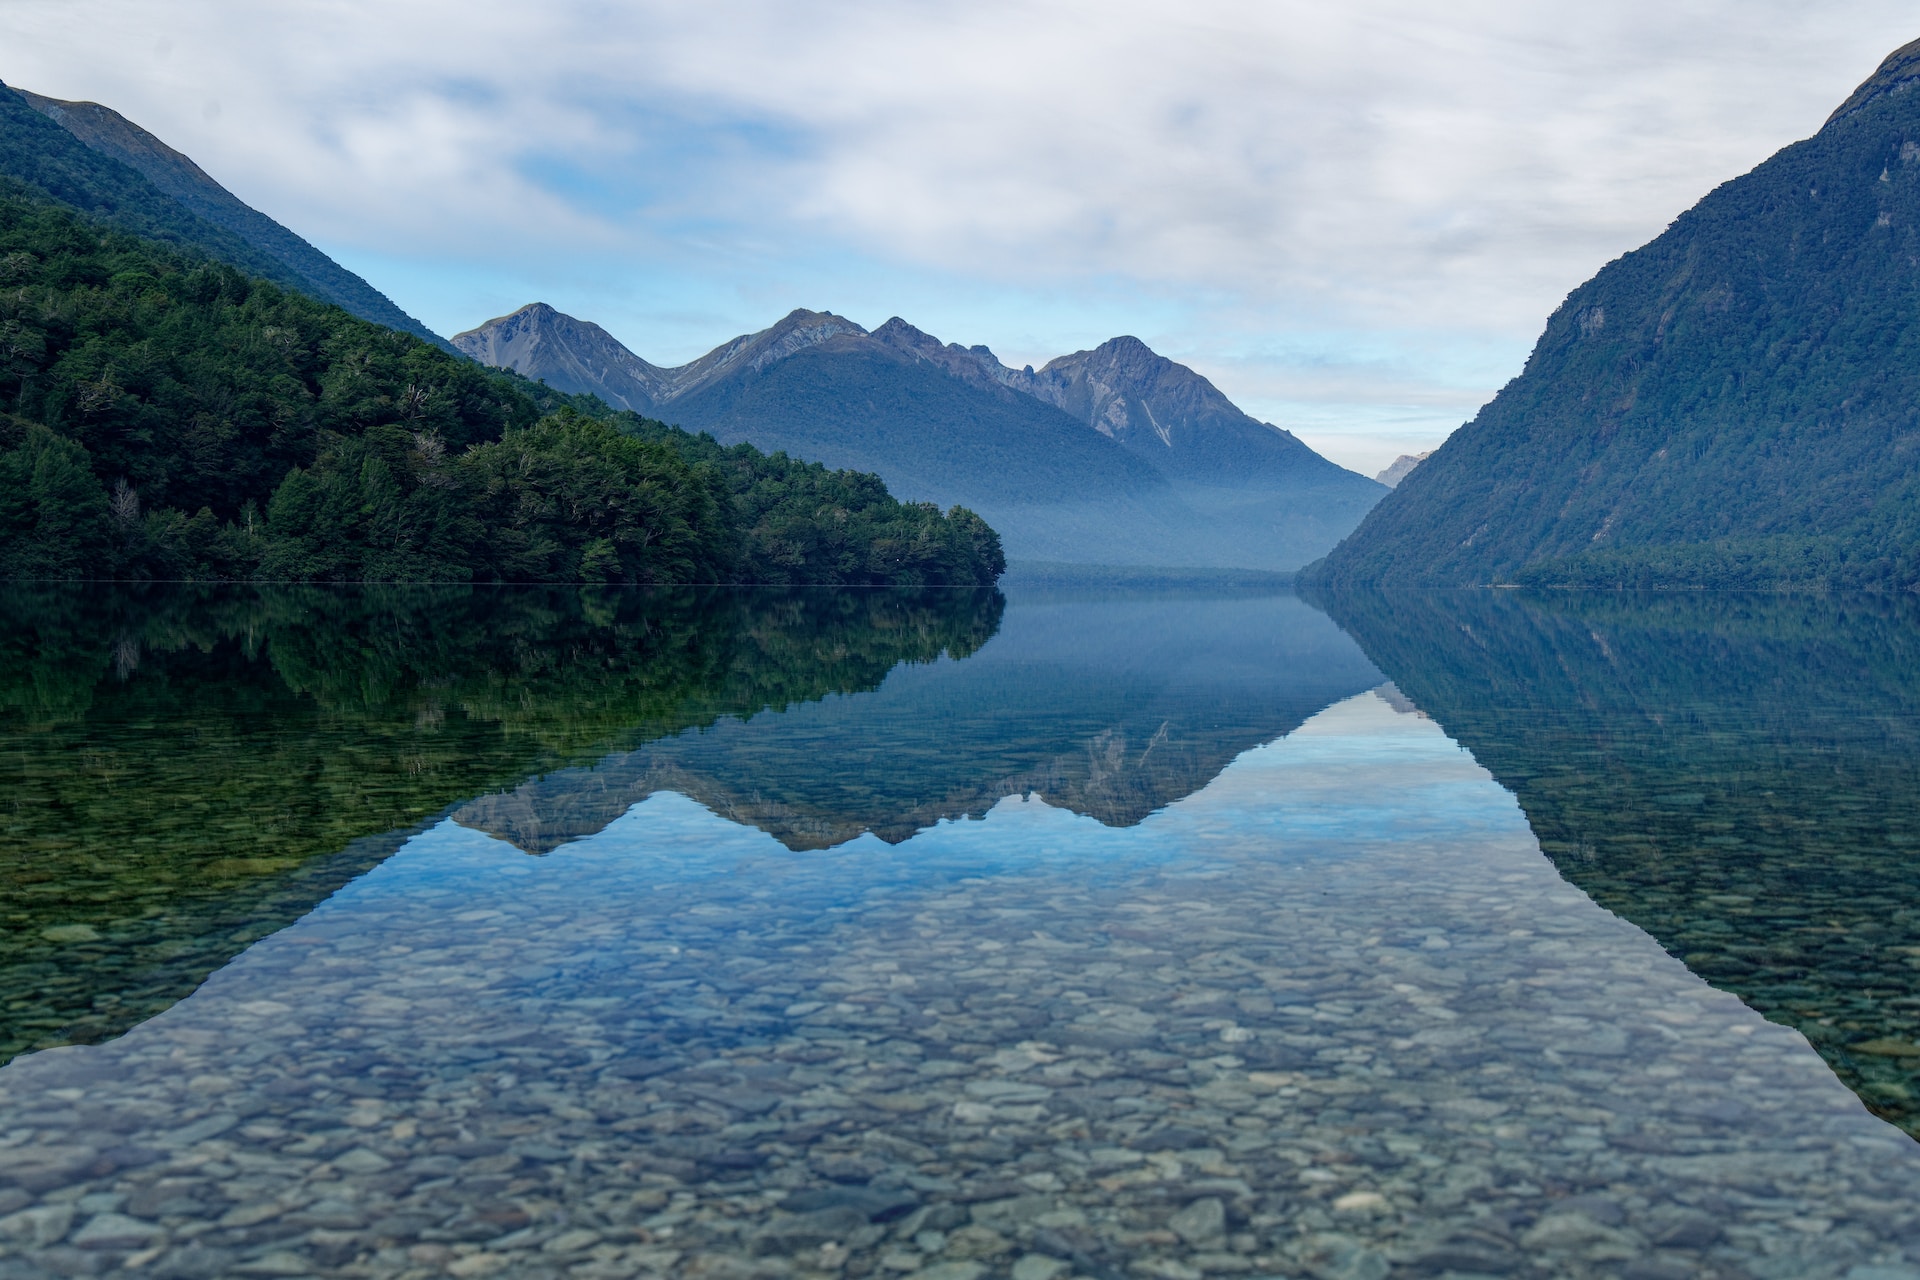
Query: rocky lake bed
column 1332, row 1016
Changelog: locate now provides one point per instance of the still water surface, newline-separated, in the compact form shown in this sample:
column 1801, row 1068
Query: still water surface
column 942, row 935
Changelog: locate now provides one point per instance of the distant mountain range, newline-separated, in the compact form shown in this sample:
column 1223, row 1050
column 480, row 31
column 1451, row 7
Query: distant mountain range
column 1737, row 404
column 94, row 159
column 1111, row 456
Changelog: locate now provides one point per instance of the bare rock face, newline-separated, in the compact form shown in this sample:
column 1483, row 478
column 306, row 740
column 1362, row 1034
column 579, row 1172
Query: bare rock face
column 569, row 355
column 1118, row 386
column 797, row 331
column 1157, row 407
column 1397, row 472
column 1152, row 406
column 580, row 357
column 976, row 366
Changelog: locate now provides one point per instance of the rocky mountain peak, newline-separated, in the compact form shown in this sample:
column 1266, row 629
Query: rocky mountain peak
column 754, row 352
column 568, row 354
column 1128, row 347
column 801, row 328
column 1126, row 390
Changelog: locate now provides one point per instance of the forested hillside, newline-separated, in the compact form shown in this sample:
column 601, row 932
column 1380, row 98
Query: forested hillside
column 51, row 164
column 1736, row 404
column 274, row 251
column 166, row 416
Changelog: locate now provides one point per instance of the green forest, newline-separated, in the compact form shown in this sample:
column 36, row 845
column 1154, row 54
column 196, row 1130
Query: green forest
column 163, row 416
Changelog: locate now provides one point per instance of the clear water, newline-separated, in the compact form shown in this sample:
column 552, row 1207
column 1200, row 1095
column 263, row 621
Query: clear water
column 879, row 935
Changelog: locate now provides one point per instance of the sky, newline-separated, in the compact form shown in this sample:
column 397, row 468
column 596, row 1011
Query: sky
column 1353, row 217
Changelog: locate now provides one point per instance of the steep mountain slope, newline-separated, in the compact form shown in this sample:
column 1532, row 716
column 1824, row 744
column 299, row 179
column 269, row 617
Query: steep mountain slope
column 48, row 163
column 1039, row 455
column 1736, row 404
column 298, row 263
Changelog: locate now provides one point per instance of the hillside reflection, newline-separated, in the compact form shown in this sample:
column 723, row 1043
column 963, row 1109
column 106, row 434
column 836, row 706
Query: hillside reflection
column 1739, row 776
column 187, row 770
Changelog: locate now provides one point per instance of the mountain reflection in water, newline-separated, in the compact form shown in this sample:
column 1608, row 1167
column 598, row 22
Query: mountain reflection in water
column 1737, row 775
column 1110, row 706
column 187, row 770
column 750, row 936
column 190, row 770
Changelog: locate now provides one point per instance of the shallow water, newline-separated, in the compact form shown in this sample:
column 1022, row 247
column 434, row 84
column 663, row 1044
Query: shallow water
column 1738, row 775
column 1191, row 948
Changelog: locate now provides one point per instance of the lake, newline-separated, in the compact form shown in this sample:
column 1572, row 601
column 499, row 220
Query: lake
column 1167, row 933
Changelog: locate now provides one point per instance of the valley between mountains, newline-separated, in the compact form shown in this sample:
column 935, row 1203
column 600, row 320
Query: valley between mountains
column 1730, row 405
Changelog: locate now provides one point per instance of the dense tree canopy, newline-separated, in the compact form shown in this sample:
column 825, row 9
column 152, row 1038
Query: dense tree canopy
column 168, row 417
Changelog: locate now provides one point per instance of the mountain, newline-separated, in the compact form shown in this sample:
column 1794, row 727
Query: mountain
column 1176, row 419
column 275, row 252
column 568, row 355
column 42, row 161
column 1114, row 456
column 1398, row 469
column 1735, row 404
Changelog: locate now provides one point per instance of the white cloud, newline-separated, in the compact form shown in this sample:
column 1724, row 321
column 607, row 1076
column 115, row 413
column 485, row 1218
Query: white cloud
column 1429, row 179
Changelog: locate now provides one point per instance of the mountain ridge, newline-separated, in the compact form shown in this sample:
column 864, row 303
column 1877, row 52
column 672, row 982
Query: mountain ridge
column 1116, row 455
column 277, row 253
column 45, row 162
